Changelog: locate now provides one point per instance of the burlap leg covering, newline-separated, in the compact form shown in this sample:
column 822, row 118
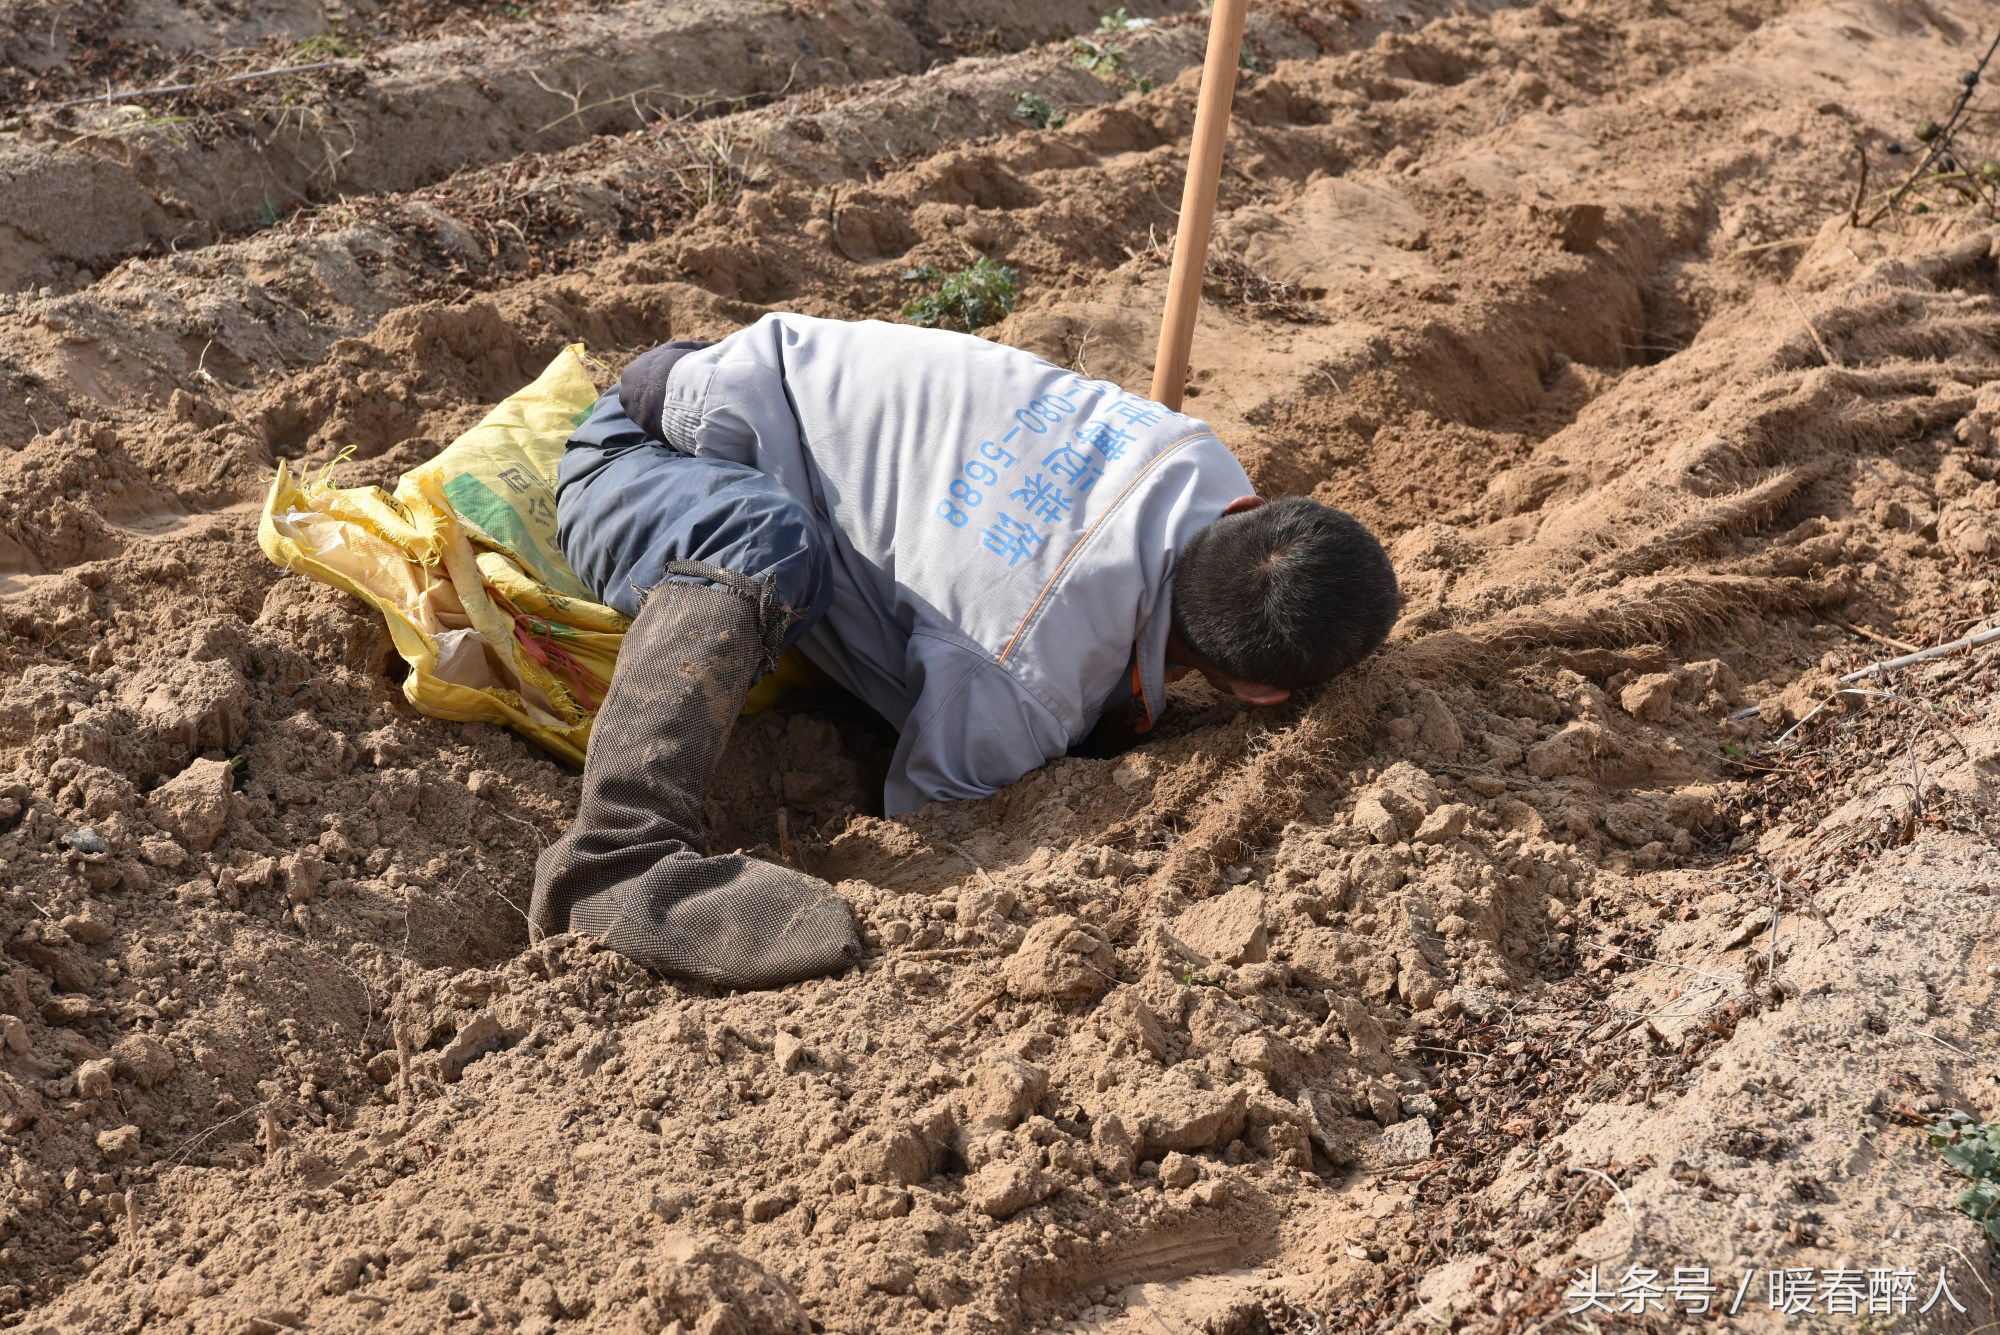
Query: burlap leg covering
column 629, row 869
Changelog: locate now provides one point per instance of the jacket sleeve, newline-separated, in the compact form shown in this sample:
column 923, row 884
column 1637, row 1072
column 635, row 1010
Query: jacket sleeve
column 642, row 389
column 731, row 399
column 974, row 729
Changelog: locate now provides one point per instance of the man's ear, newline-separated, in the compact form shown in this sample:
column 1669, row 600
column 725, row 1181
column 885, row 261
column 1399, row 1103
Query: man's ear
column 1241, row 504
column 1253, row 693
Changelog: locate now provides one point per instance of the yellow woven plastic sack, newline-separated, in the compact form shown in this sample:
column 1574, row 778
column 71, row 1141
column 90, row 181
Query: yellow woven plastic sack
column 462, row 562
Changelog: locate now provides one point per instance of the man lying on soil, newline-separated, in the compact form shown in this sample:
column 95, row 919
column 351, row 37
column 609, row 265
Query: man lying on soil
column 1000, row 556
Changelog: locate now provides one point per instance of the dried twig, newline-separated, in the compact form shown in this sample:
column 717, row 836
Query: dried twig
column 987, row 880
column 1860, row 187
column 833, row 224
column 578, row 107
column 1665, row 964
column 1785, row 243
column 1940, row 145
column 196, row 1141
column 1507, row 102
column 1777, row 908
column 1876, row 636
column 966, row 1012
column 1936, row 651
column 166, row 89
column 131, row 1231
column 1916, row 775
column 1806, row 898
column 529, row 826
column 1826, row 353
column 1972, row 641
column 1227, row 277
column 1631, row 1215
column 1911, row 1029
column 404, row 1084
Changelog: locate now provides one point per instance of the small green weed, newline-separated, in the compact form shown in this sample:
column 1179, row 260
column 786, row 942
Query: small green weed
column 1750, row 758
column 326, row 46
column 1038, row 111
column 1974, row 1150
column 1102, row 58
column 972, row 297
column 974, row 39
column 1106, row 58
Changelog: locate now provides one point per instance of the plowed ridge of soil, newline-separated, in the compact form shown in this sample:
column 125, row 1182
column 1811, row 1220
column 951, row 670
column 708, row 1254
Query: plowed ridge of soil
column 86, row 184
column 1586, row 924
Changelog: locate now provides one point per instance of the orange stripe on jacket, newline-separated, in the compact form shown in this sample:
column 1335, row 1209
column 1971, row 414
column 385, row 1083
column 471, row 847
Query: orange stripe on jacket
column 1088, row 534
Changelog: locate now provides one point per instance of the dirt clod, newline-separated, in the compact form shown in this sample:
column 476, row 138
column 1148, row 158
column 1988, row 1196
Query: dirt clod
column 1228, row 929
column 194, row 804
column 119, row 1143
column 1062, row 960
column 482, row 1035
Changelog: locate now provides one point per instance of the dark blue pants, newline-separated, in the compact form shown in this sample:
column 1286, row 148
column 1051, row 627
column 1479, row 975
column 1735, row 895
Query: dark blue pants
column 627, row 505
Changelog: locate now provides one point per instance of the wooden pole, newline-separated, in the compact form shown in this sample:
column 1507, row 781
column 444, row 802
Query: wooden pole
column 1204, row 177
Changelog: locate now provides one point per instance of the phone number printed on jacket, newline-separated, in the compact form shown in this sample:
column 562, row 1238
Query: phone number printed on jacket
column 1050, row 493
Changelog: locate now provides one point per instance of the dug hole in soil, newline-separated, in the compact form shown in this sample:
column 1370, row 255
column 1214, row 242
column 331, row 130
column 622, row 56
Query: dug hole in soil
column 1586, row 925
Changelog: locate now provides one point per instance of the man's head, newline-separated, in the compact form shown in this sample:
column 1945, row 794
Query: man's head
column 1270, row 599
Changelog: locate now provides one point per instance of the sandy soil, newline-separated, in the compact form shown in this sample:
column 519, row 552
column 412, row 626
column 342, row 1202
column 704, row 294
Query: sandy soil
column 1565, row 933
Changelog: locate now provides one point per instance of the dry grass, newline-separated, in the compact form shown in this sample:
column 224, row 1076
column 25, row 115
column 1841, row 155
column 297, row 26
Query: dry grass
column 1231, row 282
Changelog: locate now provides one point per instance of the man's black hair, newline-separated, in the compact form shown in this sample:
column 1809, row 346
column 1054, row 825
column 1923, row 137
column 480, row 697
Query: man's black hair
column 1285, row 595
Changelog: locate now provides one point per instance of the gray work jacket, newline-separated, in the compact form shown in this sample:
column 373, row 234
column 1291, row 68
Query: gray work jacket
column 1004, row 530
